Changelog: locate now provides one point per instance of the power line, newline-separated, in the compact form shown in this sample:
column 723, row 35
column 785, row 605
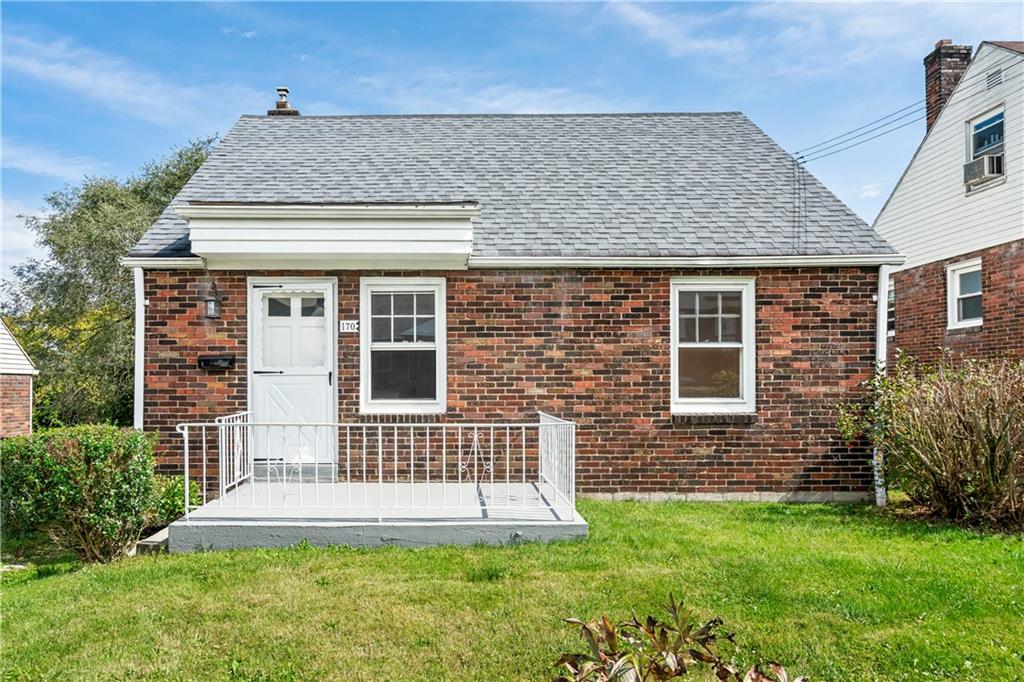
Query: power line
column 869, row 130
column 960, row 84
column 915, row 104
column 815, row 156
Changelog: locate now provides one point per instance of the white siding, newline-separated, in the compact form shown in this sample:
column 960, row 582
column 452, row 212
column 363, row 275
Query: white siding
column 12, row 358
column 929, row 216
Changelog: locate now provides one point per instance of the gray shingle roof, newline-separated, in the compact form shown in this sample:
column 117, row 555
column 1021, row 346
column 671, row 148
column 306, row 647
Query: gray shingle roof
column 548, row 185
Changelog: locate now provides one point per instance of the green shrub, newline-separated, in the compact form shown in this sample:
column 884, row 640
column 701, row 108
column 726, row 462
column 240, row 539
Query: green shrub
column 952, row 436
column 21, row 486
column 651, row 649
column 169, row 499
column 91, row 487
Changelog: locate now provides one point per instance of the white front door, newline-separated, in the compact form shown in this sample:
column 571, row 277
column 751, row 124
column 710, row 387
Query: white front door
column 292, row 356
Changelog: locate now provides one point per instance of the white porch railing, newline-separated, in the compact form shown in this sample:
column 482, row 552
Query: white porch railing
column 248, row 469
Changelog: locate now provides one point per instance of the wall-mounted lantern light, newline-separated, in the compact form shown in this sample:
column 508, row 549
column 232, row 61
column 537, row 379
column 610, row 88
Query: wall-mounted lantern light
column 211, row 302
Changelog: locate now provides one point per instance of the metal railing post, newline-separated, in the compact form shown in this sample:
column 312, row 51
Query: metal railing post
column 187, row 501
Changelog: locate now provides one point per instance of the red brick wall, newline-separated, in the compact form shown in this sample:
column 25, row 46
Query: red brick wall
column 591, row 346
column 16, row 405
column 921, row 308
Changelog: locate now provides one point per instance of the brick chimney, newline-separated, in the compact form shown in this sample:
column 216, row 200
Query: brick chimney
column 282, row 108
column 943, row 69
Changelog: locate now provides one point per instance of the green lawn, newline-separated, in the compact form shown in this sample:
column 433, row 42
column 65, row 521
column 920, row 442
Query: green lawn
column 837, row 593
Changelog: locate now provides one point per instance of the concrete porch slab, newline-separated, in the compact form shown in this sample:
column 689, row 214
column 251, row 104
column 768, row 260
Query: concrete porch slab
column 201, row 535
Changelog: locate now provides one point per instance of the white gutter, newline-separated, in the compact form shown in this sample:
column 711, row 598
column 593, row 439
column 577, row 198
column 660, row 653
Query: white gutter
column 881, row 355
column 157, row 263
column 525, row 262
column 681, row 261
column 140, row 344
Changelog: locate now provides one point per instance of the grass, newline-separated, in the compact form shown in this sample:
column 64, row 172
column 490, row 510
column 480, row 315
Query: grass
column 833, row 592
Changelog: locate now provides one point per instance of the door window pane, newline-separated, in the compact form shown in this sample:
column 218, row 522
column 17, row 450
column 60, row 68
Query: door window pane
column 279, row 306
column 709, row 372
column 403, row 375
column 313, row 307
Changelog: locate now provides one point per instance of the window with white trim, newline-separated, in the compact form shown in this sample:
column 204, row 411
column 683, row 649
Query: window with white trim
column 402, row 345
column 890, row 308
column 987, row 134
column 712, row 336
column 963, row 294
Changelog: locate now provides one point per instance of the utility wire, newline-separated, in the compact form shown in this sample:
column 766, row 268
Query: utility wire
column 814, row 156
column 960, row 84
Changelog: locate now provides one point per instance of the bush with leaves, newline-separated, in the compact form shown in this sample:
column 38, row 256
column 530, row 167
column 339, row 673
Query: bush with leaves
column 22, row 480
column 652, row 649
column 952, row 435
column 169, row 499
column 90, row 487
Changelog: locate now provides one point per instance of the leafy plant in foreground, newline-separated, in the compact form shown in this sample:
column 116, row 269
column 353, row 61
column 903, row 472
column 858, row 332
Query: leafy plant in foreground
column 653, row 649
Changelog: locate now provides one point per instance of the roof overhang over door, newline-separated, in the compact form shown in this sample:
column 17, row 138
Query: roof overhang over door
column 339, row 237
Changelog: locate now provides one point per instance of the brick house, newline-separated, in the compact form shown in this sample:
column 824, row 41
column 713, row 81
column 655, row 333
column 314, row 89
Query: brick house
column 958, row 211
column 684, row 330
column 16, row 372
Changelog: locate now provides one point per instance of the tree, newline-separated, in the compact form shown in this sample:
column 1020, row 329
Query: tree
column 73, row 311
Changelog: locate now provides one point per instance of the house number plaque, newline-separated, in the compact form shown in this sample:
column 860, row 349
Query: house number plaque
column 348, row 326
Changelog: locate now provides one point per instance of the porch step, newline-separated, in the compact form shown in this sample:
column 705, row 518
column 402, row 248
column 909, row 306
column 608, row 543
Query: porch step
column 154, row 544
column 200, row 535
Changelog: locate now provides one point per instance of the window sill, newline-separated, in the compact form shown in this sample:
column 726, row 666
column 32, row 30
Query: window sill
column 973, row 190
column 964, row 326
column 397, row 409
column 695, row 419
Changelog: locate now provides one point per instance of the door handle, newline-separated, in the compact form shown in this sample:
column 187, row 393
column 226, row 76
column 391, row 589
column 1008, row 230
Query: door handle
column 268, row 371
column 330, row 378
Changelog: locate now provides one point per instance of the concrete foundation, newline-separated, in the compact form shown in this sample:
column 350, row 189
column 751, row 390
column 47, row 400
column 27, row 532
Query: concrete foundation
column 192, row 536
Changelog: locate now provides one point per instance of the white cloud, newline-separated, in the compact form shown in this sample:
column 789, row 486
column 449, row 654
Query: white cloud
column 17, row 242
column 869, row 190
column 30, row 158
column 127, row 88
column 249, row 34
column 676, row 32
column 815, row 39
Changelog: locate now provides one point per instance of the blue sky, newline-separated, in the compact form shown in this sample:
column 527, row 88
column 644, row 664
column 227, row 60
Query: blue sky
column 97, row 88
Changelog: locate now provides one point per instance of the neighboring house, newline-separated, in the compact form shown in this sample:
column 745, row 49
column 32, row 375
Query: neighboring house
column 415, row 289
column 16, row 372
column 958, row 211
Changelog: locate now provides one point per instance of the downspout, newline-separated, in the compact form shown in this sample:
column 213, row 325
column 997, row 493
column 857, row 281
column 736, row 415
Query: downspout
column 140, row 344
column 881, row 351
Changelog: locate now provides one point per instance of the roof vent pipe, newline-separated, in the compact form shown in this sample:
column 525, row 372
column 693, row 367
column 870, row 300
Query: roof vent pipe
column 282, row 108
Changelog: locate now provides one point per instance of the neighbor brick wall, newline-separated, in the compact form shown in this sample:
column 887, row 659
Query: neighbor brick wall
column 16, row 405
column 921, row 308
column 591, row 346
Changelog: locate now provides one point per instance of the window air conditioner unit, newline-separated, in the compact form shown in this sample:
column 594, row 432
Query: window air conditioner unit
column 983, row 169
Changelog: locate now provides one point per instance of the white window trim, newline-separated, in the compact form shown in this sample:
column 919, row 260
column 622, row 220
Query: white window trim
column 747, row 403
column 992, row 111
column 953, row 272
column 436, row 285
column 890, row 290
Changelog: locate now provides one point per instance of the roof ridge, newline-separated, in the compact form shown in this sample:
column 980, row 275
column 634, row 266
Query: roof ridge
column 624, row 114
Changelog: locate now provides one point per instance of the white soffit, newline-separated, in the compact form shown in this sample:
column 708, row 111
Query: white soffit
column 303, row 236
